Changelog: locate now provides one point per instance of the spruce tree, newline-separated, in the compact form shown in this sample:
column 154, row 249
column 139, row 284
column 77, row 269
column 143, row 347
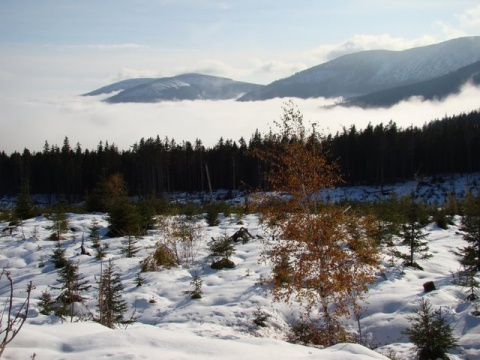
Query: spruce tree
column 24, row 206
column 139, row 279
column 94, row 233
column 221, row 248
column 60, row 223
column 413, row 237
column 95, row 236
column 123, row 218
column 58, row 257
column 130, row 247
column 430, row 332
column 196, row 283
column 470, row 254
column 71, row 288
column 46, row 303
column 472, row 285
column 111, row 307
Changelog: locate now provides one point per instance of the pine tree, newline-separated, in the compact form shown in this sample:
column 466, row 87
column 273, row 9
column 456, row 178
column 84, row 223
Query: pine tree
column 46, row 303
column 71, row 288
column 196, row 282
column 470, row 254
column 60, row 223
column 139, row 279
column 472, row 285
column 389, row 219
column 282, row 271
column 94, row 233
column 58, row 257
column 211, row 215
column 123, row 218
column 106, row 191
column 430, row 332
column 413, row 235
column 111, row 307
column 451, row 205
column 95, row 236
column 221, row 249
column 130, row 247
column 24, row 208
column 96, row 200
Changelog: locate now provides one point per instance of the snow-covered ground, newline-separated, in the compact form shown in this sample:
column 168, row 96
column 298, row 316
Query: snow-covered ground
column 170, row 325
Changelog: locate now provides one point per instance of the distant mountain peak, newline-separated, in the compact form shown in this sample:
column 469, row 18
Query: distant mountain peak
column 190, row 86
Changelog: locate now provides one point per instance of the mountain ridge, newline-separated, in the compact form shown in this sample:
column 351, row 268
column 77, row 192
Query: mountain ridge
column 189, row 86
column 433, row 89
column 369, row 71
column 360, row 76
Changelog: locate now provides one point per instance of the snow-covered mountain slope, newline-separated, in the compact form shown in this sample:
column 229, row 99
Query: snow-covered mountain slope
column 370, row 71
column 437, row 88
column 181, row 87
column 120, row 86
column 219, row 325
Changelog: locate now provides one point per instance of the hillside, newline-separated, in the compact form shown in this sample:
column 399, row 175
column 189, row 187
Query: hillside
column 437, row 89
column 371, row 71
column 176, row 88
column 372, row 78
column 120, row 86
column 220, row 325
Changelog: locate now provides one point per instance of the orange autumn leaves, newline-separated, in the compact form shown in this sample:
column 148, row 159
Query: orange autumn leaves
column 324, row 256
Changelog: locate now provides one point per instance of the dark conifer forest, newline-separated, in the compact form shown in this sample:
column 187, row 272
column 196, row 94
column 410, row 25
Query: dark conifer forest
column 375, row 155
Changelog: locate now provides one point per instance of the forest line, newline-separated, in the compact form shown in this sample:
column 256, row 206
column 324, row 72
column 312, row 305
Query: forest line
column 376, row 155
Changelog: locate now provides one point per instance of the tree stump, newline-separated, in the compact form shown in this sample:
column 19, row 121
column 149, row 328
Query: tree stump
column 429, row 286
column 241, row 234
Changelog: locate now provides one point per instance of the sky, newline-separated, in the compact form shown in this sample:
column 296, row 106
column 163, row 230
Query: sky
column 51, row 51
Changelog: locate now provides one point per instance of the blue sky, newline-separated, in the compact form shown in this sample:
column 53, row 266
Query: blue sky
column 57, row 46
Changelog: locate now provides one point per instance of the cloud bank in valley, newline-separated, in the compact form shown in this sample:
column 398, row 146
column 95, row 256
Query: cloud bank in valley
column 28, row 123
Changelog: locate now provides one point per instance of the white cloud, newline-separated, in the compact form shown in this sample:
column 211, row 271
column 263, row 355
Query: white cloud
column 468, row 22
column 28, row 123
column 210, row 66
column 362, row 42
column 470, row 19
column 224, row 5
column 5, row 75
column 108, row 47
column 125, row 73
